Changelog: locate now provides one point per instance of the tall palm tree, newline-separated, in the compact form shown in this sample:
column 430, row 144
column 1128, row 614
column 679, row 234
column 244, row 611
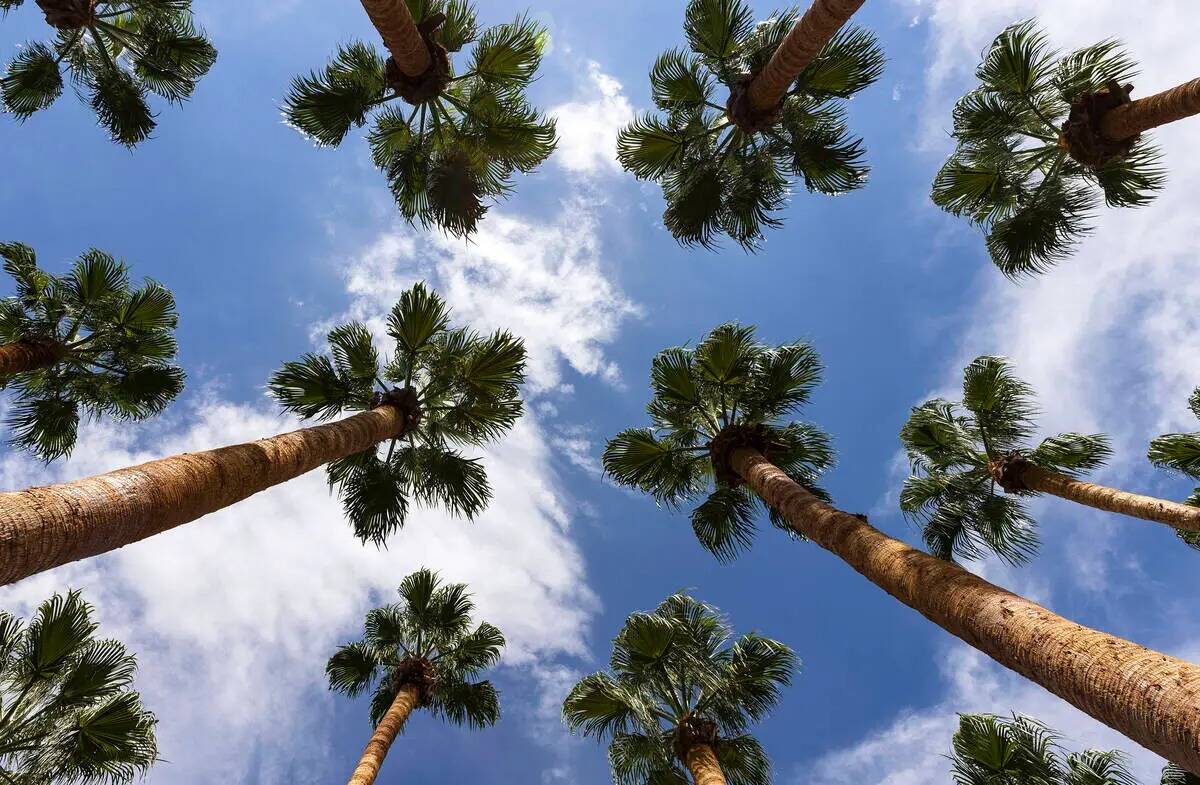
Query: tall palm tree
column 461, row 137
column 725, row 168
column 1152, row 698
column 450, row 386
column 991, row 750
column 116, row 53
column 1044, row 137
column 68, row 711
column 680, row 696
column 1180, row 452
column 85, row 341
column 959, row 458
column 419, row 653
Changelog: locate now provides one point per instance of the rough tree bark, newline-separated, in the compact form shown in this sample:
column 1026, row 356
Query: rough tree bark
column 22, row 356
column 402, row 707
column 1152, row 111
column 400, row 35
column 41, row 528
column 701, row 761
column 1150, row 697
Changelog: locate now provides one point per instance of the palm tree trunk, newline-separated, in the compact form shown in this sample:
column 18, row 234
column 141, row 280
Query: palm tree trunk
column 1152, row 111
column 41, row 528
column 819, row 24
column 21, row 356
column 702, row 762
column 1150, row 697
column 400, row 35
column 385, row 733
column 1100, row 497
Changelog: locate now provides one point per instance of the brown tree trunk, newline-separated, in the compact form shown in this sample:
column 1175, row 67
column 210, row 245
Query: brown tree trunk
column 701, row 761
column 400, row 35
column 385, row 733
column 22, row 356
column 1150, row 697
column 41, row 528
column 1152, row 111
column 819, row 24
column 1101, row 497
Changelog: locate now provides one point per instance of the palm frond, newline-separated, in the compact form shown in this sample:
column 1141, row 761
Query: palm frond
column 325, row 105
column 715, row 27
column 849, row 63
column 510, row 53
column 724, row 522
column 31, row 82
column 474, row 704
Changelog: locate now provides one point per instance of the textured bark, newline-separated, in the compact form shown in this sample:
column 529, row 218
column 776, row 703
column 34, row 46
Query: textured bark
column 701, row 761
column 1152, row 111
column 400, row 35
column 1150, row 697
column 41, row 528
column 385, row 733
column 819, row 24
column 1148, row 508
column 24, row 356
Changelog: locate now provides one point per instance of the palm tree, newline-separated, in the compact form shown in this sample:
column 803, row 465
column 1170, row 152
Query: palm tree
column 116, row 52
column 1043, row 137
column 461, row 137
column 737, row 388
column 452, row 386
column 419, row 653
column 959, row 458
column 991, row 750
column 681, row 694
column 68, row 711
column 85, row 340
column 726, row 168
column 1180, row 452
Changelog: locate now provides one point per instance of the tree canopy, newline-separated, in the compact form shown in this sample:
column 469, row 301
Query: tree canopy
column 118, row 343
column 456, row 386
column 1180, row 452
column 678, row 677
column 719, row 178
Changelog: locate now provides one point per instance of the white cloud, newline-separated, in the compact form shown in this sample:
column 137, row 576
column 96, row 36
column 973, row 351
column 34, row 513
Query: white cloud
column 544, row 280
column 233, row 616
column 588, row 126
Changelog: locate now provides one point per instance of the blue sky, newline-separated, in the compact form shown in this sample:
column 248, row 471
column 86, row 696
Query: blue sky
column 266, row 241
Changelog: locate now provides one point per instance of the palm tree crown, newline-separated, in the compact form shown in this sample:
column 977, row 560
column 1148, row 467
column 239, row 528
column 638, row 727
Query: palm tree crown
column 69, row 713
column 426, row 641
column 116, row 344
column 951, row 491
column 728, row 391
column 458, row 143
column 453, row 385
column 724, row 176
column 116, row 52
column 677, row 678
column 1180, row 452
column 990, row 750
column 1015, row 172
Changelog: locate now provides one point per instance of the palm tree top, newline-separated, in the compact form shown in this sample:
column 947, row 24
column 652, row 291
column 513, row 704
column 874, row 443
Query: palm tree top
column 459, row 141
column 1180, row 453
column 677, row 677
column 991, row 750
column 723, row 171
column 69, row 712
column 425, row 641
column 116, row 53
column 453, row 386
column 117, row 344
column 953, row 448
column 1019, row 171
column 728, row 391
